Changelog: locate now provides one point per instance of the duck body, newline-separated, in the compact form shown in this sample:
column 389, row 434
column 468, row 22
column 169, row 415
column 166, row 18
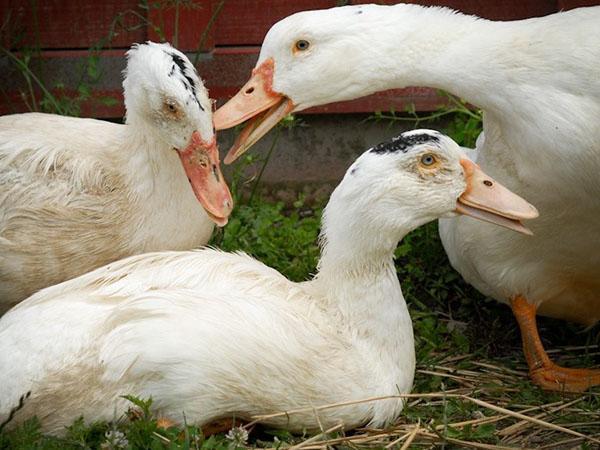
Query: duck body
column 76, row 194
column 100, row 197
column 209, row 335
column 150, row 335
column 541, row 141
column 536, row 81
column 558, row 268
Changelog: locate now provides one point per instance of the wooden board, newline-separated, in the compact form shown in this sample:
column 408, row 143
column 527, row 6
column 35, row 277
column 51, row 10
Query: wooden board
column 65, row 30
column 71, row 24
column 246, row 22
column 192, row 21
column 223, row 71
column 571, row 4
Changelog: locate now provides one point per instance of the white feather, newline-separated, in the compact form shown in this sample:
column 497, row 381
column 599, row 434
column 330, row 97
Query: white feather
column 537, row 81
column 78, row 193
column 209, row 334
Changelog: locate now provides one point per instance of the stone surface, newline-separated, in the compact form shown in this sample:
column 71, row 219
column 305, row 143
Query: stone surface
column 317, row 150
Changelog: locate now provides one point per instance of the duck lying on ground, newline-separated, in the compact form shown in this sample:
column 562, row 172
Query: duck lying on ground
column 79, row 193
column 209, row 334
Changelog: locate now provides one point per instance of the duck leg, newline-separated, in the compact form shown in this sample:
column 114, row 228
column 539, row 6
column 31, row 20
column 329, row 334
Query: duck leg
column 541, row 369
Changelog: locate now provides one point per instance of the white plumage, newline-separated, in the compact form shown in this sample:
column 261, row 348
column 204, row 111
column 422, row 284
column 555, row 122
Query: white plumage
column 537, row 81
column 76, row 194
column 210, row 334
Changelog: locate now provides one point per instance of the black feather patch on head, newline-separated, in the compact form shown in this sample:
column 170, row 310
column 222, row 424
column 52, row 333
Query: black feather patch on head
column 187, row 81
column 403, row 143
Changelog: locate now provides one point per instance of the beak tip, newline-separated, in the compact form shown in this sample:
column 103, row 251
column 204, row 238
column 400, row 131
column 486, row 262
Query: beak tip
column 529, row 213
column 229, row 158
column 234, row 153
column 526, row 231
column 534, row 212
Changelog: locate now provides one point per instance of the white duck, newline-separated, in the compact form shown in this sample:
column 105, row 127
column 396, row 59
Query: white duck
column 76, row 194
column 211, row 334
column 537, row 81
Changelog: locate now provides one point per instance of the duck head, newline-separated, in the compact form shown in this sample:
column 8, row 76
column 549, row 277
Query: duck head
column 420, row 176
column 314, row 58
column 165, row 98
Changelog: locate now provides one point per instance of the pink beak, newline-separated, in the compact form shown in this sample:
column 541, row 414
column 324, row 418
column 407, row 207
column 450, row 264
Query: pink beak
column 256, row 102
column 201, row 163
column 486, row 199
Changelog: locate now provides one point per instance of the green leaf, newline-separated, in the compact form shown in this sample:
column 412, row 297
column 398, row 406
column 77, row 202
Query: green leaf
column 84, row 91
column 108, row 101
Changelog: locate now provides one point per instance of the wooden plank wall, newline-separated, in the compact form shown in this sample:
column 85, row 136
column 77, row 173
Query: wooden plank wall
column 61, row 32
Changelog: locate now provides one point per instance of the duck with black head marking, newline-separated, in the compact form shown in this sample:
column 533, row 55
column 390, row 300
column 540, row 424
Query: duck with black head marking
column 188, row 74
column 220, row 334
column 80, row 193
column 536, row 81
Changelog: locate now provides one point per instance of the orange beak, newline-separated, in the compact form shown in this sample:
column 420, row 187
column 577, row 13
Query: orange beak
column 256, row 101
column 200, row 161
column 486, row 199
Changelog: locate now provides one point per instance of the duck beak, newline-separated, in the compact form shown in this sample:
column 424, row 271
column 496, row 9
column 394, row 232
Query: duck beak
column 486, row 199
column 256, row 101
column 200, row 161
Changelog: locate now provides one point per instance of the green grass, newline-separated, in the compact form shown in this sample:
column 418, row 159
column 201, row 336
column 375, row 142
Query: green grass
column 285, row 240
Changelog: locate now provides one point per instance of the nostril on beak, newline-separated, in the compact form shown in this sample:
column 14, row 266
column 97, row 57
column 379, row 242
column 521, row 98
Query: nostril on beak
column 250, row 90
column 488, row 183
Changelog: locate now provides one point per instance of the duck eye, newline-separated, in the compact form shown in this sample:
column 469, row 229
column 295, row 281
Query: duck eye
column 302, row 45
column 428, row 159
column 171, row 106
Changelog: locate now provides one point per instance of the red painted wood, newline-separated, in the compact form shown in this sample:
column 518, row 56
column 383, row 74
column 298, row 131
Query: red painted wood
column 70, row 24
column 246, row 22
column 81, row 24
column 399, row 100
column 194, row 17
column 91, row 108
column 571, row 4
column 223, row 72
column 66, row 26
column 423, row 99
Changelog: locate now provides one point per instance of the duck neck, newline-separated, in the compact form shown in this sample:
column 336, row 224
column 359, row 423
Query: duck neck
column 150, row 163
column 416, row 46
column 351, row 253
column 358, row 281
column 165, row 213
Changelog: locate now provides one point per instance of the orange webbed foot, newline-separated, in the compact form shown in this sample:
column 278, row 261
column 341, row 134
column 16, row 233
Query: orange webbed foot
column 542, row 370
column 557, row 378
